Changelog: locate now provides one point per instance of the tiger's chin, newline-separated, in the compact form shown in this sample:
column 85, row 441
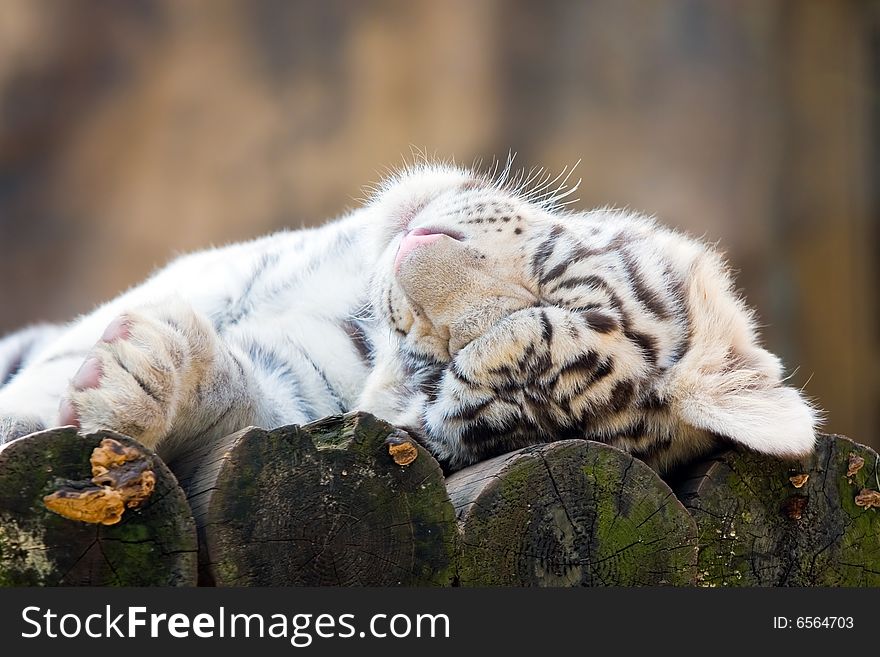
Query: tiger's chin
column 452, row 304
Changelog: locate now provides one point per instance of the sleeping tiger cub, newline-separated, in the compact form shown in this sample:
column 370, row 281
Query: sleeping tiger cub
column 471, row 309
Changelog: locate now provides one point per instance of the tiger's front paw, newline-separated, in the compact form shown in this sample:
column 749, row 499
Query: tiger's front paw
column 142, row 373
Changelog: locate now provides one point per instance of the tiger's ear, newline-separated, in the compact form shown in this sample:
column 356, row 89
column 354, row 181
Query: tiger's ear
column 773, row 419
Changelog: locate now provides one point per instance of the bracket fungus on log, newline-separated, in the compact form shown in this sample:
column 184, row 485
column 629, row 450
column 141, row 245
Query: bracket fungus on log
column 121, row 478
column 128, row 525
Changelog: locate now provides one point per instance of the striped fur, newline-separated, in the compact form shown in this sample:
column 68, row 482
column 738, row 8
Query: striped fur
column 519, row 323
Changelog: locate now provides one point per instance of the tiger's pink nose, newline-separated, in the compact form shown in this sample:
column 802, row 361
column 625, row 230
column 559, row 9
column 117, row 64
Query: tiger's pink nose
column 413, row 240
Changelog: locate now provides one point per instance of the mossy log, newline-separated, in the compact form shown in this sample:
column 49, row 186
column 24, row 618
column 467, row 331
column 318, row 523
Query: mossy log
column 570, row 513
column 348, row 500
column 769, row 522
column 99, row 510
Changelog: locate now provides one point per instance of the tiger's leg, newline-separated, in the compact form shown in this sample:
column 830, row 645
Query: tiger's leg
column 29, row 395
column 540, row 374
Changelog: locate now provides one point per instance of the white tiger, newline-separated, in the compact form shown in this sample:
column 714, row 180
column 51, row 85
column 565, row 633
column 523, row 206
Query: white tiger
column 472, row 310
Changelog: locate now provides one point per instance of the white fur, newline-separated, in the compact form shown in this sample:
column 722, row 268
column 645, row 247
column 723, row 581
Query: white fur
column 254, row 333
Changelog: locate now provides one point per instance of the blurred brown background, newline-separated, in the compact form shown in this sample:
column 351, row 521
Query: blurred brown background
column 130, row 131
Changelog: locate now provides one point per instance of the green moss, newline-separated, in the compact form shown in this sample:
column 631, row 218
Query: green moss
column 326, row 504
column 756, row 529
column 565, row 515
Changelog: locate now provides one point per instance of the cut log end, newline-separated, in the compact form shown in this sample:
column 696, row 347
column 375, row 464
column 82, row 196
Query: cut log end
column 351, row 500
column 327, row 503
column 571, row 513
column 91, row 510
column 769, row 522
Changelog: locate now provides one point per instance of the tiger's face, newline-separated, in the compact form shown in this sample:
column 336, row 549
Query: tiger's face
column 457, row 260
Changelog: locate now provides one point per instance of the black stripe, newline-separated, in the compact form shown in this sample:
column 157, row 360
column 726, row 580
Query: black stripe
column 592, row 373
column 546, row 328
column 645, row 342
column 605, row 368
column 523, row 361
column 545, row 249
column 415, row 361
column 586, row 306
column 679, row 294
column 577, row 281
column 459, row 375
column 241, row 371
column 337, row 398
column 621, row 395
column 600, row 322
column 556, row 272
column 272, row 364
column 13, row 369
column 430, row 384
column 534, row 363
column 585, row 364
column 632, row 432
column 681, row 348
column 594, row 282
column 392, row 316
column 508, row 378
column 484, row 440
column 617, row 242
column 148, row 390
column 470, row 412
column 476, row 433
column 653, row 402
column 359, row 340
column 650, row 299
column 652, row 449
column 581, row 253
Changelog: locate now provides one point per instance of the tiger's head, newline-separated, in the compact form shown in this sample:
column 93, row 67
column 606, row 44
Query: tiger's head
column 515, row 321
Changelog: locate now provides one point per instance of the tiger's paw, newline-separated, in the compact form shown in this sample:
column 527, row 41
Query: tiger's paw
column 144, row 370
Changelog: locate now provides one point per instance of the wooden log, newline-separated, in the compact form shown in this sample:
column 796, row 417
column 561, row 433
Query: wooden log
column 570, row 513
column 99, row 510
column 769, row 522
column 348, row 500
